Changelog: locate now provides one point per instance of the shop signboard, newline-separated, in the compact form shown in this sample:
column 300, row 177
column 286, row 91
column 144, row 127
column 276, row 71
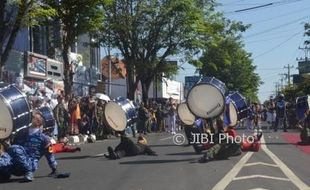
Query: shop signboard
column 36, row 66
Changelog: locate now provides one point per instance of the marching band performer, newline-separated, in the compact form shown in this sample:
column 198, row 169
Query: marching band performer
column 281, row 113
column 222, row 149
column 305, row 130
column 271, row 113
column 29, row 145
column 128, row 148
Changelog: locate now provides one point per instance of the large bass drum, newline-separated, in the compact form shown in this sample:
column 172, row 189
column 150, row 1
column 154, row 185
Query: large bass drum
column 119, row 114
column 207, row 98
column 130, row 109
column 185, row 115
column 15, row 112
column 238, row 108
column 49, row 120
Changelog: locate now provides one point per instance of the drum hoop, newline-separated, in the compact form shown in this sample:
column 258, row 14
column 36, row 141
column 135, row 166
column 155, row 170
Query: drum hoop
column 223, row 96
column 179, row 114
column 52, row 114
column 236, row 112
column 24, row 95
column 11, row 113
column 11, row 110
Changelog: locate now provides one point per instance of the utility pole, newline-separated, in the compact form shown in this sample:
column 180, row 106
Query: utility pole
column 282, row 79
column 289, row 67
column 306, row 50
column 276, row 88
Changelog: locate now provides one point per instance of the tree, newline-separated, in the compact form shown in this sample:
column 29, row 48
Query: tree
column 225, row 58
column 77, row 17
column 302, row 89
column 307, row 33
column 149, row 32
column 17, row 14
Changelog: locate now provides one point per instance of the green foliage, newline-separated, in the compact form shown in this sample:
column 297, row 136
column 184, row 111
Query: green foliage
column 17, row 14
column 38, row 13
column 150, row 32
column 307, row 33
column 226, row 59
column 292, row 92
column 78, row 17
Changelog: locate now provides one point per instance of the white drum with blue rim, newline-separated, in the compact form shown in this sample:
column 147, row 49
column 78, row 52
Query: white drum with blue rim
column 185, row 115
column 207, row 98
column 15, row 112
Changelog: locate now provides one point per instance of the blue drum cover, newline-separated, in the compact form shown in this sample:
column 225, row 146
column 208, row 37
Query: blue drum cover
column 129, row 108
column 240, row 104
column 47, row 114
column 215, row 82
column 18, row 105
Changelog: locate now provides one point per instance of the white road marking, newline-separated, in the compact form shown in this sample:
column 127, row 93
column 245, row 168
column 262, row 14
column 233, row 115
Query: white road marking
column 222, row 184
column 260, row 163
column 286, row 170
column 258, row 189
column 260, row 176
column 231, row 175
column 163, row 139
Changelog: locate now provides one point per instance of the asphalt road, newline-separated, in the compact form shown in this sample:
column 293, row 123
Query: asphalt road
column 278, row 165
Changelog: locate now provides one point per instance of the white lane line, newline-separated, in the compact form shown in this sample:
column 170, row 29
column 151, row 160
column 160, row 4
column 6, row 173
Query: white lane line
column 222, row 184
column 163, row 139
column 286, row 170
column 260, row 163
column 260, row 176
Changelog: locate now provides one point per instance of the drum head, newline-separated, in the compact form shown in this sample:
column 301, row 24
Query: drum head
column 185, row 115
column 233, row 115
column 6, row 122
column 115, row 116
column 205, row 101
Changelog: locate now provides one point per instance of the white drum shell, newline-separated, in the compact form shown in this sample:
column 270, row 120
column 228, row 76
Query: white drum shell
column 115, row 116
column 205, row 101
column 185, row 115
column 6, row 122
column 233, row 114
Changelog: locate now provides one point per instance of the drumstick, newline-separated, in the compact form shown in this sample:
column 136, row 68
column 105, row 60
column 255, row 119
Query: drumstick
column 213, row 109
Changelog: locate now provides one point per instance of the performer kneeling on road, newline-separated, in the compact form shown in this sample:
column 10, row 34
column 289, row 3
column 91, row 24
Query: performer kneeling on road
column 223, row 148
column 305, row 130
column 128, row 148
column 29, row 145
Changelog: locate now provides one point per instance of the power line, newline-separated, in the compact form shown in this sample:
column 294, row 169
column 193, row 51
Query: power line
column 281, row 16
column 272, row 4
column 277, row 46
column 241, row 4
column 251, row 8
column 269, row 69
column 269, row 39
column 276, row 33
column 277, row 27
column 231, row 3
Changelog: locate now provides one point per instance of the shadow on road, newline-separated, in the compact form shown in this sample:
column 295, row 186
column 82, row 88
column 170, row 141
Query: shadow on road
column 163, row 145
column 157, row 161
column 182, row 154
column 74, row 157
